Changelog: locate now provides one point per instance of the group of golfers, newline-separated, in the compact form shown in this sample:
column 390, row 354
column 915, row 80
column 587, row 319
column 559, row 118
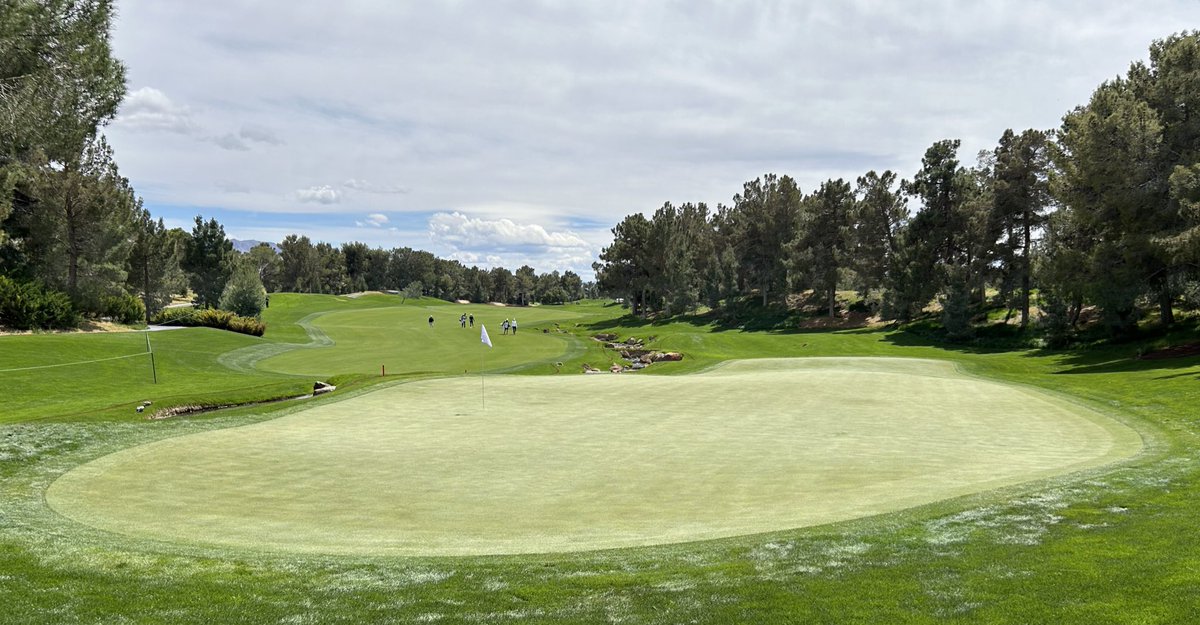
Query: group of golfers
column 465, row 320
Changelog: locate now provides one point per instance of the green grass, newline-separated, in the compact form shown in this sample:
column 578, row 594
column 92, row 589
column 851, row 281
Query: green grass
column 577, row 463
column 1115, row 544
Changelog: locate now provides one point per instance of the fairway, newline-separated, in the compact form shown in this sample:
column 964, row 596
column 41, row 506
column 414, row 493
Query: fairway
column 571, row 463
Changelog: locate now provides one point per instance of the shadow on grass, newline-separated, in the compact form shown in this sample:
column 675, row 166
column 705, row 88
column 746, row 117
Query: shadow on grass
column 772, row 319
column 1096, row 352
column 1106, row 361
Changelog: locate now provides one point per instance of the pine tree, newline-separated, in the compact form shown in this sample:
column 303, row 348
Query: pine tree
column 207, row 259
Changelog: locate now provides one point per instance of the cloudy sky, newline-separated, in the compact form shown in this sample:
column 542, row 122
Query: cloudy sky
column 520, row 131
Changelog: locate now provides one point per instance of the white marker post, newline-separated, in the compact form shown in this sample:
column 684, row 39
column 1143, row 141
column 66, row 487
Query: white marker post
column 486, row 340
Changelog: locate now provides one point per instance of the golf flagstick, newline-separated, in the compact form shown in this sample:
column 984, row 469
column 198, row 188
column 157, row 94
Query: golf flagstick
column 486, row 340
column 150, row 350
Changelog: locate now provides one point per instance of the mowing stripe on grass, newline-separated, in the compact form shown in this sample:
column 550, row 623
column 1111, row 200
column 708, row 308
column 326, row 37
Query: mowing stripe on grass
column 71, row 364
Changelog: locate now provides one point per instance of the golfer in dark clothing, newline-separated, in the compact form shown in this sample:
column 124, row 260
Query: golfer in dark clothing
column 431, row 321
column 472, row 320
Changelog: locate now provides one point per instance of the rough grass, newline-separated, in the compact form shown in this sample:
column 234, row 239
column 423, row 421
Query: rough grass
column 1108, row 545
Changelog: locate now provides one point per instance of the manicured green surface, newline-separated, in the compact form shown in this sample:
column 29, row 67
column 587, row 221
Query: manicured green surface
column 552, row 464
column 1111, row 544
column 400, row 338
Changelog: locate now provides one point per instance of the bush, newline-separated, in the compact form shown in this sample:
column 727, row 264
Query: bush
column 956, row 312
column 210, row 318
column 122, row 308
column 1054, row 323
column 244, row 294
column 27, row 306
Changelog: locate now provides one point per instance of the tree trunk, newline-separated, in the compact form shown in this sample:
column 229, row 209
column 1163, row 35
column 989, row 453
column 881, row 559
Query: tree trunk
column 1165, row 314
column 72, row 251
column 832, row 299
column 1025, row 281
column 146, row 287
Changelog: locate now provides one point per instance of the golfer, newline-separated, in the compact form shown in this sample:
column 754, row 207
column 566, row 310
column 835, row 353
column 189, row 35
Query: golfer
column 513, row 325
column 431, row 321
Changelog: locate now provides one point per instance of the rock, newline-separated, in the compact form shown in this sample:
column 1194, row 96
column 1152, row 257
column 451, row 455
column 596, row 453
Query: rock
column 605, row 337
column 668, row 357
column 321, row 387
column 140, row 409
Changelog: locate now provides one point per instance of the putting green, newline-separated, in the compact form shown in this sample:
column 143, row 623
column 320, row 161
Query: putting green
column 568, row 463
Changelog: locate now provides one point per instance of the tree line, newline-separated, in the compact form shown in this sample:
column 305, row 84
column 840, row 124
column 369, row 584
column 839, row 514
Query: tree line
column 76, row 240
column 1102, row 213
column 300, row 266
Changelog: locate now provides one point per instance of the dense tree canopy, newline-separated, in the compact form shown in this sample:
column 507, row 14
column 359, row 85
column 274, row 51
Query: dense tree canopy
column 1102, row 213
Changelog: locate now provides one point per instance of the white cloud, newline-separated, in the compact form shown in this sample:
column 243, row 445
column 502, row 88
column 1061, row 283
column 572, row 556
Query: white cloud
column 230, row 142
column 260, row 134
column 374, row 219
column 324, row 194
column 555, row 113
column 462, row 232
column 370, row 187
column 148, row 108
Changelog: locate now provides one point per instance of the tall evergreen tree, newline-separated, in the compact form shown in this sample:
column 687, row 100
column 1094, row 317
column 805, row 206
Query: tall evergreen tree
column 822, row 244
column 208, row 259
column 1021, row 196
column 266, row 262
column 936, row 237
column 880, row 213
column 76, row 232
column 764, row 219
column 331, row 269
column 625, row 266
column 1110, row 185
column 357, row 258
column 1170, row 86
column 525, row 281
column 153, row 271
column 300, row 267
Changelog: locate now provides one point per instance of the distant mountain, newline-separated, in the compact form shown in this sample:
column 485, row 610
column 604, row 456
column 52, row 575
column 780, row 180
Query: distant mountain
column 244, row 246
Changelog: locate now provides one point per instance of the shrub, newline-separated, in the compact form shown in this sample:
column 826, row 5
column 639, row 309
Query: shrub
column 178, row 316
column 1054, row 323
column 122, row 308
column 956, row 312
column 244, row 294
column 210, row 318
column 27, row 306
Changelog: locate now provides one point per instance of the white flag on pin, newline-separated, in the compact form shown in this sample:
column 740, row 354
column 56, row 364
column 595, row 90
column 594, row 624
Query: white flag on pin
column 484, row 337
